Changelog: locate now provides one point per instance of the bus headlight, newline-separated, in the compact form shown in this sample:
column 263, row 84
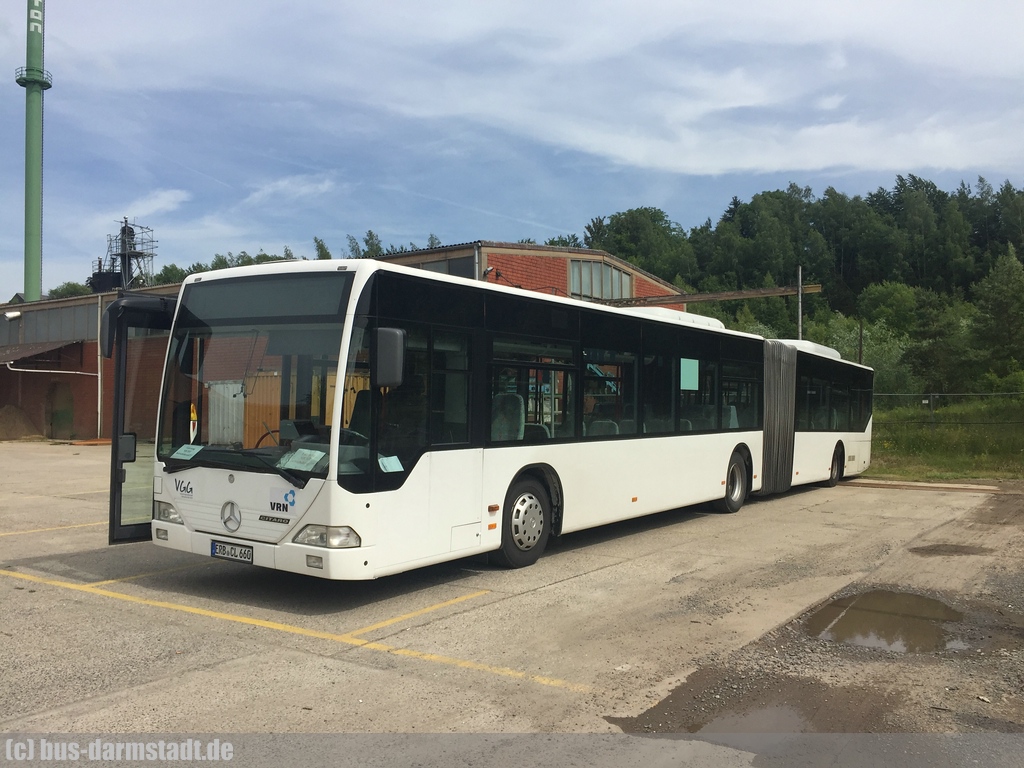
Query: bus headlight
column 166, row 513
column 329, row 536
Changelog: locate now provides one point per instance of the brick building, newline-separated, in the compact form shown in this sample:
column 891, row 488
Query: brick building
column 51, row 368
column 581, row 273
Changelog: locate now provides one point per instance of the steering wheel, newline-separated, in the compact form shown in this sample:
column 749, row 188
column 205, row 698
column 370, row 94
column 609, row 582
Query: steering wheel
column 265, row 435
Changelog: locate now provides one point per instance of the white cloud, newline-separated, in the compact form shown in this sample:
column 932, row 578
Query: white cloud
column 290, row 188
column 829, row 103
column 228, row 125
column 159, row 201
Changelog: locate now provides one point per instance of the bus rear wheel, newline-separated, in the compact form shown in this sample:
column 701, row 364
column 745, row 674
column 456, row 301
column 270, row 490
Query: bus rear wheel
column 736, row 485
column 525, row 525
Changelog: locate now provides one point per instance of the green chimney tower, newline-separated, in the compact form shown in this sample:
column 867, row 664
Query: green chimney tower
column 35, row 80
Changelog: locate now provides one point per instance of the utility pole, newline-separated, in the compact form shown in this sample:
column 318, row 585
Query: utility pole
column 799, row 302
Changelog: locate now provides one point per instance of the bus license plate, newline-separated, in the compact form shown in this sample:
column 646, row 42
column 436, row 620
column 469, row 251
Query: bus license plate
column 227, row 551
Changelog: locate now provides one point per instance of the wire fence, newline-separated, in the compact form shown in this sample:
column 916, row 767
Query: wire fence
column 964, row 428
column 969, row 408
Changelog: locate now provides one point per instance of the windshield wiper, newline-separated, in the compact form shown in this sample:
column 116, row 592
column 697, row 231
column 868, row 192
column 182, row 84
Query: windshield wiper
column 292, row 478
column 207, row 461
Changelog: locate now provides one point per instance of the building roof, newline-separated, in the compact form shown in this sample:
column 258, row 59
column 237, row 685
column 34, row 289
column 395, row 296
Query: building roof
column 594, row 254
column 15, row 352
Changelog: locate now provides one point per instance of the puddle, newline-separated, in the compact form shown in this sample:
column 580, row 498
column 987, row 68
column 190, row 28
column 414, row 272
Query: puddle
column 889, row 621
column 778, row 719
column 719, row 702
column 946, row 550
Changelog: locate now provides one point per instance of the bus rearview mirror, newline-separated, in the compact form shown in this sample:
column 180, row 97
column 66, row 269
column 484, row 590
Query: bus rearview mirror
column 389, row 366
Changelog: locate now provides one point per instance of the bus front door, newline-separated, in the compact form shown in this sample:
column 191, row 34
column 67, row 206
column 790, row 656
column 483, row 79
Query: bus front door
column 134, row 332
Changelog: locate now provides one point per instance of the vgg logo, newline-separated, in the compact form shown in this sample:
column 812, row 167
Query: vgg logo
column 183, row 487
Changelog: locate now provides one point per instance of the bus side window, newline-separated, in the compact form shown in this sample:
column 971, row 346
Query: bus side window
column 404, row 409
column 508, row 417
column 449, row 393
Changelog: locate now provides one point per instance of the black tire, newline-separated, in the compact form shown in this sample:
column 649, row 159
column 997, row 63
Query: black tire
column 737, row 485
column 525, row 525
column 835, row 473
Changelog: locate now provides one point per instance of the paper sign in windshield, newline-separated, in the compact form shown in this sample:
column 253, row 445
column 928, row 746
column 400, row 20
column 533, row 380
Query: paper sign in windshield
column 303, row 459
column 186, row 452
column 390, row 464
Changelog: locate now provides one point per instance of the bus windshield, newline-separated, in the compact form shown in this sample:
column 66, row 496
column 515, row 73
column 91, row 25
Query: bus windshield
column 251, row 371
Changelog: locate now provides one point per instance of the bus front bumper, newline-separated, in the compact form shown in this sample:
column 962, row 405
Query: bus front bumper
column 344, row 564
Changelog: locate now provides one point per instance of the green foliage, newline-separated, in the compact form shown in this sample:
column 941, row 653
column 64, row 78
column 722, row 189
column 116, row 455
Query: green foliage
column 646, row 237
column 372, row 247
column 565, row 241
column 67, row 290
column 322, row 251
column 999, row 326
column 895, row 304
column 942, row 352
column 171, row 273
column 355, row 250
column 872, row 344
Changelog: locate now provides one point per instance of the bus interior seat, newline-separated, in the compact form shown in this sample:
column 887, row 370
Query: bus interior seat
column 508, row 416
column 603, row 427
column 819, row 419
column 731, row 419
column 627, row 427
column 535, row 432
column 655, row 426
column 359, row 421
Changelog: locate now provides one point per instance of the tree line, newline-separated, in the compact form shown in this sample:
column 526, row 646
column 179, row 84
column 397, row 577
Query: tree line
column 926, row 286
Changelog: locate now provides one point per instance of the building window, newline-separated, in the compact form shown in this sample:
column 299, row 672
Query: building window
column 598, row 280
column 464, row 266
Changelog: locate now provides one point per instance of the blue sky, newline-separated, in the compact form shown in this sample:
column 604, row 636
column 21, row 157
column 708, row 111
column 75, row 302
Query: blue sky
column 257, row 124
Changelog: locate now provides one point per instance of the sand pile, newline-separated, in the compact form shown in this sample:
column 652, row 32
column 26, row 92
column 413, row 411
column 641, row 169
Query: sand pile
column 14, row 424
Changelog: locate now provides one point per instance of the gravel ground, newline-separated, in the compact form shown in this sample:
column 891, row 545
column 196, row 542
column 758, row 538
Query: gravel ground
column 793, row 680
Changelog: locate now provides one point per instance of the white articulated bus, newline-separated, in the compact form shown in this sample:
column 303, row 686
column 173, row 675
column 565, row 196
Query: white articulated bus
column 356, row 419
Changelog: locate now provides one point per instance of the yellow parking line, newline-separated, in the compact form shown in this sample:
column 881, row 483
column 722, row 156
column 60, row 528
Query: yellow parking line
column 348, row 638
column 414, row 614
column 61, row 495
column 57, row 528
column 142, row 575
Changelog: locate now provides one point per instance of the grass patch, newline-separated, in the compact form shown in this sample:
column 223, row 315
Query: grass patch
column 978, row 438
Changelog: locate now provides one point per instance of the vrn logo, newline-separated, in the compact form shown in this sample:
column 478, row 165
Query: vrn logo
column 283, row 503
column 184, row 488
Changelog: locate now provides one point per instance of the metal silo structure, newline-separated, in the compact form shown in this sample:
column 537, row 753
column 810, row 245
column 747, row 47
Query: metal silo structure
column 35, row 80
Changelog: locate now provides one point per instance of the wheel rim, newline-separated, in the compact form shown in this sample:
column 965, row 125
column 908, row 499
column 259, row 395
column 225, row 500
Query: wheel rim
column 735, row 484
column 527, row 521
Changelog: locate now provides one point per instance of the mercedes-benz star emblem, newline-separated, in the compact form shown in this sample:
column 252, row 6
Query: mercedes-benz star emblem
column 231, row 516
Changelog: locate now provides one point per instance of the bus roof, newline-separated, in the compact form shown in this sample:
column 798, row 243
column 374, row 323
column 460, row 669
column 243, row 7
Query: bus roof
column 662, row 314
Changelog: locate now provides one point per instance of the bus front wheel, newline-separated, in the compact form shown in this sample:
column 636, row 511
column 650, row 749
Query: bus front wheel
column 736, row 484
column 835, row 473
column 525, row 525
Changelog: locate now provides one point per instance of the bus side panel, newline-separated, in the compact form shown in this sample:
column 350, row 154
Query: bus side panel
column 812, row 454
column 434, row 516
column 611, row 480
